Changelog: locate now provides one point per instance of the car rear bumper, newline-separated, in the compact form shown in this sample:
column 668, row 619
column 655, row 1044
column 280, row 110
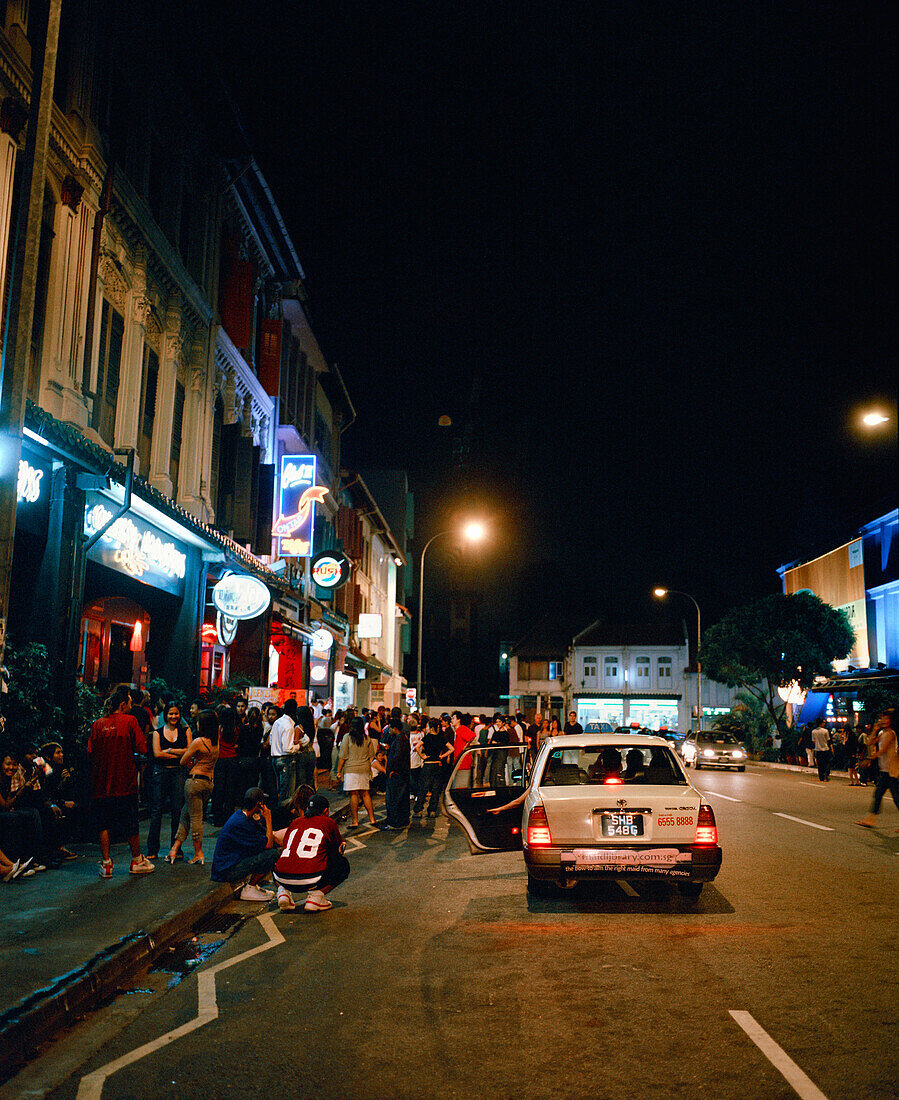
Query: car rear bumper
column 545, row 864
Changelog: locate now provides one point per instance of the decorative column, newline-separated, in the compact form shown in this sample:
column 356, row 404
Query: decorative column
column 195, row 448
column 131, row 380
column 171, row 351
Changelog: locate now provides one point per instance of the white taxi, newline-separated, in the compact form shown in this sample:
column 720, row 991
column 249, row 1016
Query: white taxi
column 590, row 806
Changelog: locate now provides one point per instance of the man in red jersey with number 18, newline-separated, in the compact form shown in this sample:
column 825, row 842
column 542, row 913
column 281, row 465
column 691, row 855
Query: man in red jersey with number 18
column 312, row 858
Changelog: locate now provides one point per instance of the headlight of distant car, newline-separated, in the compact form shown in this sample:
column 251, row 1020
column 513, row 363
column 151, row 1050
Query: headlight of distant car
column 708, row 752
column 737, row 754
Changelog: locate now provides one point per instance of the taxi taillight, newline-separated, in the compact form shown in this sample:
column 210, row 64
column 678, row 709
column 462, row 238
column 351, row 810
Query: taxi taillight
column 539, row 835
column 706, row 829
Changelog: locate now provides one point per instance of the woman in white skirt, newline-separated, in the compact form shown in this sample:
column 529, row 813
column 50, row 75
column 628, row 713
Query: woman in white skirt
column 354, row 766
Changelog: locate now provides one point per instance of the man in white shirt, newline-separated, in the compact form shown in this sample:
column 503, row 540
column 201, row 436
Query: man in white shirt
column 821, row 741
column 287, row 739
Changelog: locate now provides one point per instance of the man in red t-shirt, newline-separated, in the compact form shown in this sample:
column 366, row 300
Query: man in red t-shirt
column 464, row 735
column 111, row 746
column 312, row 858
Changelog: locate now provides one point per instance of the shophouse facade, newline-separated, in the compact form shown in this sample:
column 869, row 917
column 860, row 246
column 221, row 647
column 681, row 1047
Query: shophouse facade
column 859, row 576
column 172, row 366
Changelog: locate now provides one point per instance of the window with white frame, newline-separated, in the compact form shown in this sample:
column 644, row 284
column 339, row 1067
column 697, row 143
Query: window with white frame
column 589, row 668
column 610, row 670
column 665, row 664
column 643, row 666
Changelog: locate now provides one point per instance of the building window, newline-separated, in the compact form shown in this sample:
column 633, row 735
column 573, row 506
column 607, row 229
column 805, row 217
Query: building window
column 643, row 665
column 177, row 428
column 112, row 332
column 610, row 669
column 590, row 668
column 147, row 409
column 665, row 668
column 555, row 670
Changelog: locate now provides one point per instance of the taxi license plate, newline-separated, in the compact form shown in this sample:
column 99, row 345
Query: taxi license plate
column 621, row 825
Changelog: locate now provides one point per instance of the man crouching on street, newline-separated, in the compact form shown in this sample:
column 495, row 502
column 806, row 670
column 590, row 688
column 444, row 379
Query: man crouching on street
column 246, row 846
column 312, row 858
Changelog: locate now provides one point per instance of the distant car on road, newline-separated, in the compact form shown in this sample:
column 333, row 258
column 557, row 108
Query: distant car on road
column 593, row 806
column 714, row 749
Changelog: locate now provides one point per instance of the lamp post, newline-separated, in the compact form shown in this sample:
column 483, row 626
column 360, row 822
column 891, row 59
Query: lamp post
column 661, row 593
column 473, row 532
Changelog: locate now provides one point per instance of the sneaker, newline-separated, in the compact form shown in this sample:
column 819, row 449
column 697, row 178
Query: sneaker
column 28, row 873
column 254, row 893
column 285, row 902
column 141, row 866
column 316, row 902
column 64, row 854
column 14, row 871
column 105, row 868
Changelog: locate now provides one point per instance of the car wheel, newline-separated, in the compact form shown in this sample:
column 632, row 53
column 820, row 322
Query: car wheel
column 742, row 768
column 537, row 888
column 690, row 889
column 696, row 764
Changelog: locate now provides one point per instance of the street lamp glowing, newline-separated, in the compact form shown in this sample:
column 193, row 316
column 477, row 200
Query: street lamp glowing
column 475, row 531
column 660, row 592
column 872, row 419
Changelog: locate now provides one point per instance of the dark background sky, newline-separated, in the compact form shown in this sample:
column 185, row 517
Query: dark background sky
column 638, row 252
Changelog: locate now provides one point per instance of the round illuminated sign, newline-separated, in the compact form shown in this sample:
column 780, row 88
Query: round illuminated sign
column 322, row 639
column 330, row 569
column 238, row 596
column 319, row 674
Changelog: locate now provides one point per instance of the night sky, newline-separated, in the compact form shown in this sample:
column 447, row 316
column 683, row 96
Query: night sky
column 639, row 253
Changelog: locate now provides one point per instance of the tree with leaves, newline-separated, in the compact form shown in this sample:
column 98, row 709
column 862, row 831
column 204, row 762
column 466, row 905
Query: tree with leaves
column 775, row 641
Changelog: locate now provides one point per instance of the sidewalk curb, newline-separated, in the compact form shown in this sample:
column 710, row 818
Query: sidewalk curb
column 794, row 768
column 41, row 1014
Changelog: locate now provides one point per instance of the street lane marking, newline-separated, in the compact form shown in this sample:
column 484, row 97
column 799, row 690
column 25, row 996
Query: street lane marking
column 91, row 1086
column 714, row 794
column 782, row 1062
column 627, row 888
column 802, row 821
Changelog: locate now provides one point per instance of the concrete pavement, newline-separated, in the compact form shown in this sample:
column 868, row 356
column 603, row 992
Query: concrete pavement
column 72, row 939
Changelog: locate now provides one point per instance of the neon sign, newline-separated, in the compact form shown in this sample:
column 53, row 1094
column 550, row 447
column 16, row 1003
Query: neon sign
column 135, row 549
column 298, row 495
column 330, row 569
column 240, row 597
column 29, row 483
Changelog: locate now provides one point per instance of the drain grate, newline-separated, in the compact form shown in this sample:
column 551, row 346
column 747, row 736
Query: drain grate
column 219, row 922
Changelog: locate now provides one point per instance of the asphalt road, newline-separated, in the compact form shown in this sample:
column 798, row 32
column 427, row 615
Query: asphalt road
column 435, row 975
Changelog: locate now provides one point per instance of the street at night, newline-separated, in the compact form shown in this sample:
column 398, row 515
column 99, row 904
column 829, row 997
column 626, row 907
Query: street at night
column 436, row 974
column 449, row 551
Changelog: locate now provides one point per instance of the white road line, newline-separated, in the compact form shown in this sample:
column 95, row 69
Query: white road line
column 801, row 1084
column 802, row 821
column 627, row 888
column 714, row 794
column 91, row 1086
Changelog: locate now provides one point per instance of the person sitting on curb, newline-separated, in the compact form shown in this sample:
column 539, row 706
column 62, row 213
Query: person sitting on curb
column 244, row 849
column 312, row 859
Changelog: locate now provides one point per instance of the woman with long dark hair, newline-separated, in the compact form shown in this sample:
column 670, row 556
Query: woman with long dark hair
column 356, row 754
column 166, row 784
column 201, row 755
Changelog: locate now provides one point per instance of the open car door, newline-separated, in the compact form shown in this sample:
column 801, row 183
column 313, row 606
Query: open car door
column 486, row 779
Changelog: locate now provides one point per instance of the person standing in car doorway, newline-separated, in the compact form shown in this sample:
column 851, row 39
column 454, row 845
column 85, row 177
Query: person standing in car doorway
column 823, row 757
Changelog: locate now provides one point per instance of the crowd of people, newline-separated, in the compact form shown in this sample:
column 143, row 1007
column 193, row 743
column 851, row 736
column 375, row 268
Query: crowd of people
column 246, row 767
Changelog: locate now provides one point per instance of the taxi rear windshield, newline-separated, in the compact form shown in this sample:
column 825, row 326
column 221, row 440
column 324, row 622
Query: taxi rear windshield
column 648, row 766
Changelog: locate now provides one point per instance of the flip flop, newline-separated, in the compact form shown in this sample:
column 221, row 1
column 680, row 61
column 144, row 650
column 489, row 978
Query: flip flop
column 863, row 824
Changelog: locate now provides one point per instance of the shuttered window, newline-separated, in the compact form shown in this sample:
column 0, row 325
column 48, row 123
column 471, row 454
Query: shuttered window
column 177, row 427
column 112, row 332
column 150, row 381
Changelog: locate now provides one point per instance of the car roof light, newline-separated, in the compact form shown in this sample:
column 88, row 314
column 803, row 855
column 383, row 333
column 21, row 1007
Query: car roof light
column 613, row 779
